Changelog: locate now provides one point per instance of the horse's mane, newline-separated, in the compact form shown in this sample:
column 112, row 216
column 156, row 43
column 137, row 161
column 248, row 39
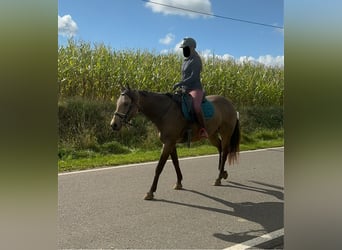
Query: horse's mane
column 149, row 93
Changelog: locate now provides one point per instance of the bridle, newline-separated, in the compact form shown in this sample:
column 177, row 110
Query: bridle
column 122, row 116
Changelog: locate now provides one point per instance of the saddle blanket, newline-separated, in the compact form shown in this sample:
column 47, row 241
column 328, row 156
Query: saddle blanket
column 188, row 112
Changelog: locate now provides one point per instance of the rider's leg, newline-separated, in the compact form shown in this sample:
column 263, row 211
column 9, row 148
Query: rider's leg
column 197, row 96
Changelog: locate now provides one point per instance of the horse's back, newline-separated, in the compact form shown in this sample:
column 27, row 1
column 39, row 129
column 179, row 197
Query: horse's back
column 221, row 102
column 224, row 109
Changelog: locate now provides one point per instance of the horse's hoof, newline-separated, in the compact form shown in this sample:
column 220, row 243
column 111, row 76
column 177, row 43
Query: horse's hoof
column 217, row 182
column 148, row 196
column 225, row 175
column 178, row 186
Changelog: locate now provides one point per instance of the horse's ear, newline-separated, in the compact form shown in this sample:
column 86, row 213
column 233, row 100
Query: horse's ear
column 128, row 87
column 122, row 87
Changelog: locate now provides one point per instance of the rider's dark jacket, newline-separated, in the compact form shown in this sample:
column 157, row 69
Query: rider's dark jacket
column 191, row 69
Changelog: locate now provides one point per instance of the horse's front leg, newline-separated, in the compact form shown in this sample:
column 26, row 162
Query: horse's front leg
column 175, row 162
column 167, row 148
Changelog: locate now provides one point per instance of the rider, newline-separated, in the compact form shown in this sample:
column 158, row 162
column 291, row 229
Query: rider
column 191, row 81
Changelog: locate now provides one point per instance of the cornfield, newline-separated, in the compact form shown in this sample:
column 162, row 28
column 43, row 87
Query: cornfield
column 97, row 71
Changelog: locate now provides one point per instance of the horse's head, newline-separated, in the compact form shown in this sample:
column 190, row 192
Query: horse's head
column 126, row 108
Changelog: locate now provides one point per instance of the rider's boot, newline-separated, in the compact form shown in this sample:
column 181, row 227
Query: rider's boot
column 202, row 132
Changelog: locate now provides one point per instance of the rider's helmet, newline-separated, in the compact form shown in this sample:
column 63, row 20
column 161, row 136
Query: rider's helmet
column 188, row 41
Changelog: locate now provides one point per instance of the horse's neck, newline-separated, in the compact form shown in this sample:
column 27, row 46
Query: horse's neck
column 154, row 106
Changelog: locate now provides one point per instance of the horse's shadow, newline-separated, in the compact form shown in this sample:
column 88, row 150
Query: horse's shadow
column 278, row 194
column 268, row 214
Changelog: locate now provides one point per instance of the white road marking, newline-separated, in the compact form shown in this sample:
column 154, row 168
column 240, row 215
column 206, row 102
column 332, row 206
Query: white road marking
column 155, row 162
column 257, row 241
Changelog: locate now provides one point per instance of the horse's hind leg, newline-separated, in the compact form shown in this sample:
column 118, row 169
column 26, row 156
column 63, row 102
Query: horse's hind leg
column 217, row 142
column 222, row 173
column 223, row 158
column 175, row 162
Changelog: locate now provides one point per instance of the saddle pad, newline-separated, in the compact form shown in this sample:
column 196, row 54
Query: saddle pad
column 207, row 109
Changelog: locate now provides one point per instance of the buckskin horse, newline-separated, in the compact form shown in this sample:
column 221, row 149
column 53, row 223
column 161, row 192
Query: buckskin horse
column 223, row 128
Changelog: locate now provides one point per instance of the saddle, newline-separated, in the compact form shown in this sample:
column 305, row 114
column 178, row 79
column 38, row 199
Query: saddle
column 185, row 101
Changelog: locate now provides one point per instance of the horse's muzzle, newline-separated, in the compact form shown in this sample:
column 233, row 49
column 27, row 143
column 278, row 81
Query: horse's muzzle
column 115, row 126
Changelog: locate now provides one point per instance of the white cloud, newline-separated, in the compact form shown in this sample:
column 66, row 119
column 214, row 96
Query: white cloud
column 227, row 57
column 169, row 38
column 195, row 5
column 67, row 26
column 206, row 54
column 165, row 51
column 177, row 48
column 246, row 59
column 267, row 60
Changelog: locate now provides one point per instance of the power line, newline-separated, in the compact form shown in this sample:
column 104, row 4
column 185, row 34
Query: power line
column 214, row 15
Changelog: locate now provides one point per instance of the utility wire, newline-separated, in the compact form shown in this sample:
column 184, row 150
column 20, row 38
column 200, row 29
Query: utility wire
column 214, row 15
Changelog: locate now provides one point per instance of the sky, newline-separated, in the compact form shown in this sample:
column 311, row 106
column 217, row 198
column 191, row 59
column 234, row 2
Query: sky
column 147, row 25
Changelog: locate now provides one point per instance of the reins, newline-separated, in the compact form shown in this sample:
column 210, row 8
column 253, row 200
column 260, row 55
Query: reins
column 123, row 118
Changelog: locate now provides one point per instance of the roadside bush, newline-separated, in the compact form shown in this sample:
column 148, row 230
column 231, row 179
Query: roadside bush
column 85, row 125
column 253, row 118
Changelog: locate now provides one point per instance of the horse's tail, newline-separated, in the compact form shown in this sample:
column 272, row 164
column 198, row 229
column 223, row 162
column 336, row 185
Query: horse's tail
column 234, row 146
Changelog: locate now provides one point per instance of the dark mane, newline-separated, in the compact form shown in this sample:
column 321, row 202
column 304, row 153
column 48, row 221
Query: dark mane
column 148, row 93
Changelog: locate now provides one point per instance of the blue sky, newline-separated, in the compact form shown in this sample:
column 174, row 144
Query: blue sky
column 135, row 24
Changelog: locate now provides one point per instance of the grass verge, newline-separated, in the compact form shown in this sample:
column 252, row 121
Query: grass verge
column 90, row 159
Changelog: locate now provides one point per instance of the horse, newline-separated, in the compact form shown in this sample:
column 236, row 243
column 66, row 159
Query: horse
column 223, row 128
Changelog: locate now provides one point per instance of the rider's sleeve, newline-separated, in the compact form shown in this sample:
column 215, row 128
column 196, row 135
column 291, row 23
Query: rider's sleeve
column 191, row 74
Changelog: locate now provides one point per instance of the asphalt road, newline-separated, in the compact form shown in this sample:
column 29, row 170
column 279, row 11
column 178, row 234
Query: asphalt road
column 104, row 209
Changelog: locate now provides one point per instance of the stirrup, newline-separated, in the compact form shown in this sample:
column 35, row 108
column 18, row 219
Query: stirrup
column 203, row 133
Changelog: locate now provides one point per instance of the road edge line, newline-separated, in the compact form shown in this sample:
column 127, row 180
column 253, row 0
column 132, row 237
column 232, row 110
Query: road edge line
column 154, row 162
column 258, row 240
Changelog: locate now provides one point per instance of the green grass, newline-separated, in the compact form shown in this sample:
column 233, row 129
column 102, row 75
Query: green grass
column 83, row 159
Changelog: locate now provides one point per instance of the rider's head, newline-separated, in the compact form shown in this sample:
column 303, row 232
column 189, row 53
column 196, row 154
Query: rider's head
column 188, row 44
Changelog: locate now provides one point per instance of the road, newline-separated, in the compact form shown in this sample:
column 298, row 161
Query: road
column 104, row 209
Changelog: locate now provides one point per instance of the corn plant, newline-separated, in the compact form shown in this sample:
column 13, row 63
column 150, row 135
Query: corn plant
column 97, row 71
